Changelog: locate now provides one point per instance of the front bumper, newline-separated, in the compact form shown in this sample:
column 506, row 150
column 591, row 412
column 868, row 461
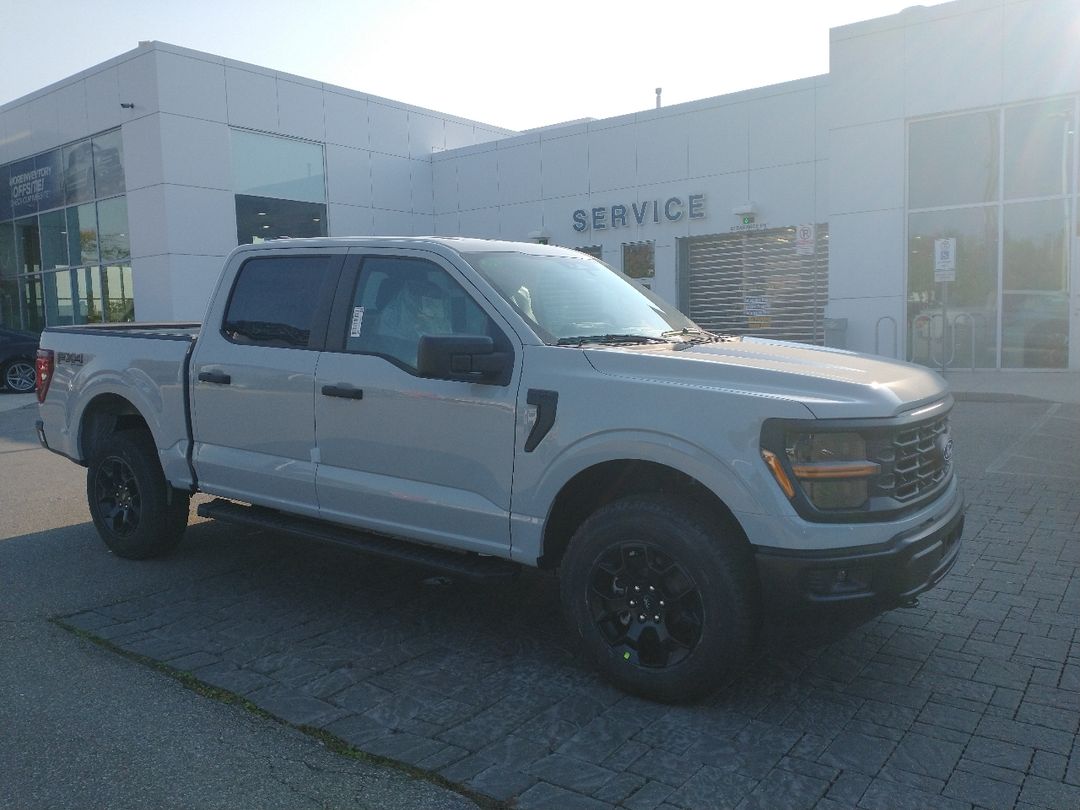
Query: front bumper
column 881, row 576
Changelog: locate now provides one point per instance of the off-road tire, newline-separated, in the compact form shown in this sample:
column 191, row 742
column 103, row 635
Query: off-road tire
column 678, row 583
column 136, row 512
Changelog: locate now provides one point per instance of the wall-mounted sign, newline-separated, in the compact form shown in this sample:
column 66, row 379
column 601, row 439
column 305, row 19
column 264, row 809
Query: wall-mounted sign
column 619, row 215
column 749, row 226
column 805, row 240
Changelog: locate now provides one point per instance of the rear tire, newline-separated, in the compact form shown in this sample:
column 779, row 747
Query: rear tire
column 663, row 595
column 136, row 512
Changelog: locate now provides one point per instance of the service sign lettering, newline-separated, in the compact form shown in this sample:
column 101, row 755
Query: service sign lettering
column 620, row 215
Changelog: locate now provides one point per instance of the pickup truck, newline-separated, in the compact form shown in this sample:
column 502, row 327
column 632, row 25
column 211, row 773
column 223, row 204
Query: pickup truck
column 475, row 406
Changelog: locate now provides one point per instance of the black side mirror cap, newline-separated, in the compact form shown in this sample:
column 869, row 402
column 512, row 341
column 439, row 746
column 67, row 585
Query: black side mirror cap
column 467, row 358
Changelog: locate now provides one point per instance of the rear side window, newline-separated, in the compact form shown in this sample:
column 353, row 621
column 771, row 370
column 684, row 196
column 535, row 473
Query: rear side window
column 276, row 301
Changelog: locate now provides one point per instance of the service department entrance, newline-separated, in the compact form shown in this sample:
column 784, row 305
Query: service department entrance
column 764, row 282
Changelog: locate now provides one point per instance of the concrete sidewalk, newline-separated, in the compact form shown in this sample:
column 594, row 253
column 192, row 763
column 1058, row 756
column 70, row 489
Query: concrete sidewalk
column 1018, row 385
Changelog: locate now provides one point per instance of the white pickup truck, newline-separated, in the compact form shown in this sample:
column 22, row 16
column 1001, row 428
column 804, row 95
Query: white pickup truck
column 474, row 406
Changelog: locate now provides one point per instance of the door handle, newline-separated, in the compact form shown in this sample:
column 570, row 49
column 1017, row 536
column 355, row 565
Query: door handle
column 344, row 391
column 215, row 377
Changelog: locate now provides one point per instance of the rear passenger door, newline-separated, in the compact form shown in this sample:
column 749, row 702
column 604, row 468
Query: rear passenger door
column 429, row 459
column 253, row 380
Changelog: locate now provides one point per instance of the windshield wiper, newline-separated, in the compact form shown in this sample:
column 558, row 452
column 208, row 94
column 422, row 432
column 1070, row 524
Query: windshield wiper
column 610, row 340
column 691, row 336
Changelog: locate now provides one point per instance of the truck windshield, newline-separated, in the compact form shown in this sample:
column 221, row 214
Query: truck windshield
column 576, row 299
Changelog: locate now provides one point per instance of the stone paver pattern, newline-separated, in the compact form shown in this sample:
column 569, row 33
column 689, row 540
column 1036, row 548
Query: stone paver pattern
column 970, row 699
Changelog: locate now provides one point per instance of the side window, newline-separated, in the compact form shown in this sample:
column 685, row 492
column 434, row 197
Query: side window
column 275, row 301
column 397, row 300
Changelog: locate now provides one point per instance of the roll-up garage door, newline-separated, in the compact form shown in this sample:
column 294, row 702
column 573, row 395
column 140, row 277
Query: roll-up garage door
column 763, row 283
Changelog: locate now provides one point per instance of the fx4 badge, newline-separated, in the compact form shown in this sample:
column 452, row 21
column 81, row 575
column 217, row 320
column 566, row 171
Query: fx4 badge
column 69, row 359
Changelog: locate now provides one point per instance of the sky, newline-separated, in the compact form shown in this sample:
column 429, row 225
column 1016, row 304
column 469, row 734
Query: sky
column 510, row 64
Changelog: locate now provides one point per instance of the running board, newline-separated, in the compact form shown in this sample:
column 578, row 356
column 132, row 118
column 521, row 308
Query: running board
column 465, row 565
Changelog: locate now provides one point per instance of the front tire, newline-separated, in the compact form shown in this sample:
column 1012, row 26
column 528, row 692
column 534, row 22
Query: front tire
column 664, row 596
column 136, row 512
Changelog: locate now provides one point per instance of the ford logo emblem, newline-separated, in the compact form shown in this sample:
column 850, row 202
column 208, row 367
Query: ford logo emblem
column 944, row 448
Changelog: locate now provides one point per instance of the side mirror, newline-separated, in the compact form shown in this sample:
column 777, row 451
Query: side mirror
column 467, row 358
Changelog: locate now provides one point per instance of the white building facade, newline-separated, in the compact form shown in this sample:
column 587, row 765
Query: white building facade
column 814, row 210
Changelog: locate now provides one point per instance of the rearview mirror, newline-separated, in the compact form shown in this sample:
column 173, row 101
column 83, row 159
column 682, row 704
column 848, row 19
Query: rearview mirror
column 468, row 358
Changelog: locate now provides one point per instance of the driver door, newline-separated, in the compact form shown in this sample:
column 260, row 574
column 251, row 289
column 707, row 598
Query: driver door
column 430, row 459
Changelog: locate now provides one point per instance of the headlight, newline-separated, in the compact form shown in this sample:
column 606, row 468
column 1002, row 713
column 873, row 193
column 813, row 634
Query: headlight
column 831, row 468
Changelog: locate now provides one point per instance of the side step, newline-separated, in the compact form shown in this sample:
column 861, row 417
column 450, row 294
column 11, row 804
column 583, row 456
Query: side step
column 464, row 565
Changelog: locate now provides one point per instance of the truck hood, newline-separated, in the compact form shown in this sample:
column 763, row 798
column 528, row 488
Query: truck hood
column 832, row 383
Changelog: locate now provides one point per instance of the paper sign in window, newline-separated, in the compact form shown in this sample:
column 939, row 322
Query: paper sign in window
column 357, row 321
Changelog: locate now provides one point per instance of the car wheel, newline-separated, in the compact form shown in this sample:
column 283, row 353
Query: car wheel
column 664, row 596
column 19, row 376
column 135, row 511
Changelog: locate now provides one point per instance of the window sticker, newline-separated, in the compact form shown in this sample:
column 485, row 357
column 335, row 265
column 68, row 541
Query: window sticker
column 357, row 321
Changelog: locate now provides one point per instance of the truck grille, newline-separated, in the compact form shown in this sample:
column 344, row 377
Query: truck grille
column 913, row 462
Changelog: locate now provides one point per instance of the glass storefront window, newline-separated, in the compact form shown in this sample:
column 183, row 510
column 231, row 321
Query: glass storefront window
column 27, row 245
column 52, row 230
column 1035, row 256
column 262, row 218
column 51, row 255
column 108, row 164
column 88, row 295
column 971, row 314
column 1038, row 151
column 953, row 161
column 33, row 302
column 78, row 172
column 82, row 234
column 118, row 295
column 1035, row 330
column 7, row 250
column 286, row 169
column 59, row 302
column 113, row 229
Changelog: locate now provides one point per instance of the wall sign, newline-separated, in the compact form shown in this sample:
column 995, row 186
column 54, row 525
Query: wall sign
column 619, row 215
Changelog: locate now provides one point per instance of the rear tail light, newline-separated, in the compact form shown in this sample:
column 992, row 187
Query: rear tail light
column 45, row 364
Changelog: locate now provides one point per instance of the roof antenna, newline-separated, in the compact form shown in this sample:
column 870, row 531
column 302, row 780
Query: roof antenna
column 659, row 90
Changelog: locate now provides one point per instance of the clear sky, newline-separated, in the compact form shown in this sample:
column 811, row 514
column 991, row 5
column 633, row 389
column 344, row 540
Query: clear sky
column 516, row 65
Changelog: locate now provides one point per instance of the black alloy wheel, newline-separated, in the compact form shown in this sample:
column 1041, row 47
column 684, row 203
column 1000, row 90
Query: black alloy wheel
column 663, row 593
column 646, row 605
column 135, row 511
column 118, row 498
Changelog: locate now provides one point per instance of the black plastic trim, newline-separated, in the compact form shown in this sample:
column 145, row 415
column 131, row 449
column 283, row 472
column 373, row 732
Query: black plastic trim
column 547, row 405
column 134, row 329
column 189, row 425
column 343, row 391
column 39, row 427
column 910, row 563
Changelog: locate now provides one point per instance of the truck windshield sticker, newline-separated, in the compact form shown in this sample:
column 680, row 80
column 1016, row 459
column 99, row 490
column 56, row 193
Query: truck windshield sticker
column 357, row 320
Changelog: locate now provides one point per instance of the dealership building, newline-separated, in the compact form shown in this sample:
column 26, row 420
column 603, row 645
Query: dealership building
column 918, row 201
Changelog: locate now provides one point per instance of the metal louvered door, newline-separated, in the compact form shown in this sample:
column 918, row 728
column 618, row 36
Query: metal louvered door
column 759, row 283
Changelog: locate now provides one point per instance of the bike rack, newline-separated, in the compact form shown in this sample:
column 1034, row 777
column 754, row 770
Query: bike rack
column 895, row 335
